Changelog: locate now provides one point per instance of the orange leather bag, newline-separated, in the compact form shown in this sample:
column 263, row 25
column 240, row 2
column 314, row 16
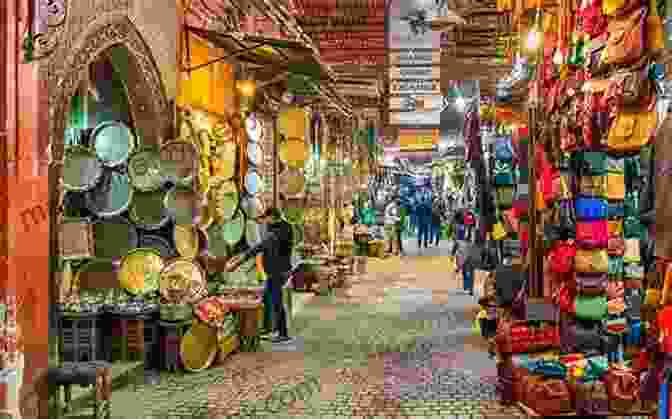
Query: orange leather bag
column 627, row 38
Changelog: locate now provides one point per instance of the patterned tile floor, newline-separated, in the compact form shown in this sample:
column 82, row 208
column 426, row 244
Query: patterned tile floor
column 396, row 343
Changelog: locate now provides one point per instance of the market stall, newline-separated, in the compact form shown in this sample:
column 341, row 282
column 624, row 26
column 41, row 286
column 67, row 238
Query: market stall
column 593, row 120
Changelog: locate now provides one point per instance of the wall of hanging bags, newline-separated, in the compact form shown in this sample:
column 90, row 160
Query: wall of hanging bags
column 595, row 159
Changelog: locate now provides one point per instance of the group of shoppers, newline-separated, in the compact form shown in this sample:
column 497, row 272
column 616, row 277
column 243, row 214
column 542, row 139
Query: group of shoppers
column 427, row 218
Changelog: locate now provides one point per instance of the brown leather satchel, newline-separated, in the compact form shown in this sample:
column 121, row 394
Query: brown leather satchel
column 623, row 390
column 627, row 38
column 548, row 397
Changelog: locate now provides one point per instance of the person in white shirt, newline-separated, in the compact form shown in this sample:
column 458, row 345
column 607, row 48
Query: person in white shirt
column 392, row 218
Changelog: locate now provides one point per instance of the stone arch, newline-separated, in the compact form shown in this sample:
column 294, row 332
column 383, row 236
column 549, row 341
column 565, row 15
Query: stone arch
column 144, row 86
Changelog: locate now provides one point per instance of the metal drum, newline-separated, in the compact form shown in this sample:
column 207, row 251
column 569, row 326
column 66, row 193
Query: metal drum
column 158, row 243
column 182, row 203
column 112, row 196
column 226, row 199
column 144, row 171
column 148, row 210
column 180, row 161
column 113, row 142
column 183, row 281
column 114, row 238
column 187, row 240
column 81, row 169
column 140, row 271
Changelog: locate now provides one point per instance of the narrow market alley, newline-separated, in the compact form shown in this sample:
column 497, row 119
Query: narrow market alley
column 395, row 343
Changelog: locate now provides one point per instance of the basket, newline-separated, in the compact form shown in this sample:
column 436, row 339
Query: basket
column 76, row 239
column 175, row 312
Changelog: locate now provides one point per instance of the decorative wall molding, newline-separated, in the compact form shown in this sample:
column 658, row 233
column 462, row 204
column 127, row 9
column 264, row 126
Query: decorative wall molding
column 144, row 85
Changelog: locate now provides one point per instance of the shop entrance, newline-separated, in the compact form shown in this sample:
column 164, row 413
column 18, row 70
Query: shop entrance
column 110, row 77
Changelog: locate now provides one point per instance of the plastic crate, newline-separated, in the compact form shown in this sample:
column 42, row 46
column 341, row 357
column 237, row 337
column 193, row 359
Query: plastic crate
column 80, row 337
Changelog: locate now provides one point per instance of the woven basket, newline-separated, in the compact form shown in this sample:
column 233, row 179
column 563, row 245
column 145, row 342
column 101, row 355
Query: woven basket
column 76, row 239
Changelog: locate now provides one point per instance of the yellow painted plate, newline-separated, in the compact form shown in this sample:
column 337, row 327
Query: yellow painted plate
column 186, row 240
column 199, row 347
column 184, row 278
column 140, row 271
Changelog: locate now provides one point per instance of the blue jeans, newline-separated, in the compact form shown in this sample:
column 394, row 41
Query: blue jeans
column 468, row 275
column 273, row 286
column 423, row 234
column 436, row 233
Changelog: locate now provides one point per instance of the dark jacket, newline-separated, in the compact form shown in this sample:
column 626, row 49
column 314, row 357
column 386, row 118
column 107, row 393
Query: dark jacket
column 276, row 248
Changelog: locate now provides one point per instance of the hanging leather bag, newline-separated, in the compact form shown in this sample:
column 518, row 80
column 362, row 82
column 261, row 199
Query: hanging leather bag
column 632, row 130
column 548, row 397
column 592, row 234
column 627, row 38
column 623, row 390
column 591, row 398
column 591, row 261
column 591, row 285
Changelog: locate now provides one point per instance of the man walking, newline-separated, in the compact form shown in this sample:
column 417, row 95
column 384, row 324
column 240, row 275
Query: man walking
column 276, row 250
column 424, row 222
column 437, row 212
column 392, row 218
column 400, row 229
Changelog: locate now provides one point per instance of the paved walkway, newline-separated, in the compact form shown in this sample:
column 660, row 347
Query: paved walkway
column 395, row 343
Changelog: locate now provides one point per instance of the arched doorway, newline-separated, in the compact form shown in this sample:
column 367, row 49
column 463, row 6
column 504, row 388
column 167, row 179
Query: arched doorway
column 116, row 38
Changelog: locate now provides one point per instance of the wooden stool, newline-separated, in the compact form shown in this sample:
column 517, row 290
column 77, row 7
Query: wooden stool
column 95, row 373
column 249, row 327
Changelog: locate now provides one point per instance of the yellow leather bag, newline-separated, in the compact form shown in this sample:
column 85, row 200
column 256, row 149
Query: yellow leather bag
column 615, row 227
column 655, row 31
column 591, row 261
column 616, row 186
column 498, row 231
column 631, row 131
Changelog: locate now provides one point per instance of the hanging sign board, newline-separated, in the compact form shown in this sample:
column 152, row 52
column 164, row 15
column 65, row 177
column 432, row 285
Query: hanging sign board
column 418, row 139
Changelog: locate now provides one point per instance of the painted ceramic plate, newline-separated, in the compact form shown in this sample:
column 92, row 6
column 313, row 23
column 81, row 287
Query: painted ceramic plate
column 223, row 161
column 113, row 142
column 255, row 154
column 158, row 243
column 114, row 238
column 292, row 182
column 226, row 199
column 252, row 182
column 187, row 240
column 183, row 278
column 144, row 171
column 81, row 169
column 199, row 347
column 112, row 196
column 183, row 205
column 140, row 271
column 148, row 209
column 217, row 244
column 179, row 161
column 252, row 233
column 234, row 229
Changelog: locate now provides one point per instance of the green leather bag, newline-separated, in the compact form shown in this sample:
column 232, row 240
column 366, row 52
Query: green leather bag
column 590, row 308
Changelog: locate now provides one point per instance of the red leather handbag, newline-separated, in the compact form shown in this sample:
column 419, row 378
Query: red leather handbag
column 561, row 257
column 548, row 397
